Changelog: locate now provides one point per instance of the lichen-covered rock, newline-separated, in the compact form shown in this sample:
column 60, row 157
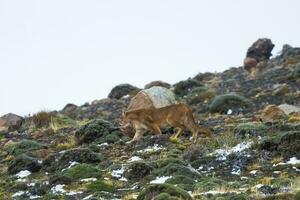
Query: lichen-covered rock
column 61, row 160
column 153, row 191
column 23, row 162
column 94, row 130
column 184, row 87
column 157, row 83
column 224, row 103
column 11, row 121
column 122, row 90
column 272, row 113
column 138, row 170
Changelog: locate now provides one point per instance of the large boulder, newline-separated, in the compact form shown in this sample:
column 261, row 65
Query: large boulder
column 11, row 121
column 258, row 54
column 288, row 109
column 138, row 170
column 154, row 97
column 122, row 90
column 272, row 113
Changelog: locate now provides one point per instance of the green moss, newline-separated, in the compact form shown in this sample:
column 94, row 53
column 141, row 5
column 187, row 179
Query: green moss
column 99, row 186
column 199, row 95
column 181, row 181
column 250, row 128
column 222, row 103
column 23, row 162
column 173, row 169
column 296, row 71
column 138, row 170
column 165, row 196
column 183, row 87
column 152, row 191
column 24, row 146
column 95, row 130
column 297, row 196
column 112, row 138
column 209, row 183
column 81, row 171
column 164, row 162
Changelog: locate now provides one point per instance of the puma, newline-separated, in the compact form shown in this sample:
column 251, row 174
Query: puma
column 153, row 119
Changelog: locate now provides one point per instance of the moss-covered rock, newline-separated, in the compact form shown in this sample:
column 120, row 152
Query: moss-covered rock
column 96, row 186
column 250, row 129
column 153, row 191
column 232, row 101
column 95, row 130
column 23, row 162
column 209, row 183
column 173, row 169
column 138, row 170
column 122, row 90
column 184, row 87
column 285, row 144
column 199, row 95
column 193, row 152
column 296, row 71
column 59, row 161
column 81, row 171
column 165, row 196
column 23, row 146
column 181, row 181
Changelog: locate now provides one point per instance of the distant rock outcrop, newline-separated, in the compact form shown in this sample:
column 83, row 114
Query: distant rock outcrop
column 258, row 55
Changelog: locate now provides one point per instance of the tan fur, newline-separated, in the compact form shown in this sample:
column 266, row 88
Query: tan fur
column 178, row 116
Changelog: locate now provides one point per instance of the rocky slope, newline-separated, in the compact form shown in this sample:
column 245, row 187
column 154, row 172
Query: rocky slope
column 80, row 153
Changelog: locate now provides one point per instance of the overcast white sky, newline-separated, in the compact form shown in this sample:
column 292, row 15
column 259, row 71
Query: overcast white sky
column 56, row 52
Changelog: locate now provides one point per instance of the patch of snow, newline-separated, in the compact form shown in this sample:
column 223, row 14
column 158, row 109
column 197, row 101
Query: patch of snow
column 259, row 186
column 87, row 197
column 40, row 161
column 293, row 161
column 34, row 197
column 88, row 179
column 72, row 163
column 154, row 148
column 134, row 158
column 126, row 96
column 229, row 112
column 17, row 194
column 102, row 144
column 23, row 174
column 118, row 173
column 31, row 184
column 253, row 172
column 295, row 168
column 277, row 172
column 236, row 171
column 160, row 180
column 58, row 189
column 223, row 153
column 123, row 179
column 73, row 193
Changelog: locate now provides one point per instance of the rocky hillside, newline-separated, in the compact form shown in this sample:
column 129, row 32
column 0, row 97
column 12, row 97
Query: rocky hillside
column 79, row 152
